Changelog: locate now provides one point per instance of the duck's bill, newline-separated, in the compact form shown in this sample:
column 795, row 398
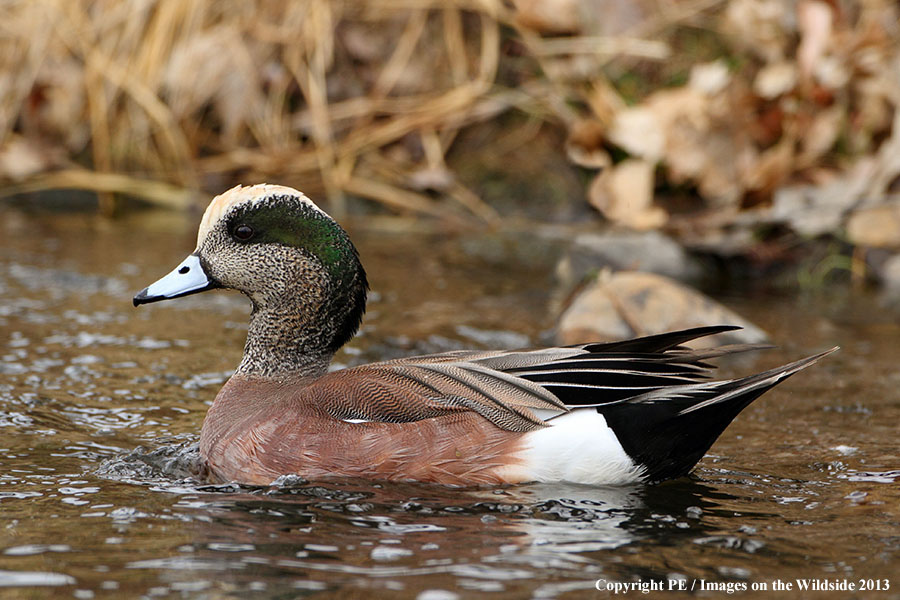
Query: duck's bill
column 187, row 278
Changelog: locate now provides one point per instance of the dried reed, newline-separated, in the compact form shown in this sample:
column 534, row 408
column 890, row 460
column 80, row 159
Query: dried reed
column 366, row 98
column 191, row 93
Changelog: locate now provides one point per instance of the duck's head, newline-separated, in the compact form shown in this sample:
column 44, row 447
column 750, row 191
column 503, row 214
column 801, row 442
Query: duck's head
column 293, row 261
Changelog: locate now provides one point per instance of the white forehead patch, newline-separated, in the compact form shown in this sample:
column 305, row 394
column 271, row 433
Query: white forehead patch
column 225, row 202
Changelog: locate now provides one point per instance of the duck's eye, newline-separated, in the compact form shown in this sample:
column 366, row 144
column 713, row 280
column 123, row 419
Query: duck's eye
column 243, row 232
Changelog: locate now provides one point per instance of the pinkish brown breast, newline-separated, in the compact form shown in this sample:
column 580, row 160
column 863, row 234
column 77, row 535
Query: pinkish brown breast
column 258, row 430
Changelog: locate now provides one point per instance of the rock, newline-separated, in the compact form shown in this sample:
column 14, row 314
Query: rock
column 493, row 338
column 624, row 194
column 628, row 304
column 808, row 209
column 889, row 275
column 648, row 251
column 815, row 210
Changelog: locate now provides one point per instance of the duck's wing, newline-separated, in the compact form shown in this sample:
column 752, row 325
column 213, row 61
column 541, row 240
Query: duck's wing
column 405, row 391
column 507, row 387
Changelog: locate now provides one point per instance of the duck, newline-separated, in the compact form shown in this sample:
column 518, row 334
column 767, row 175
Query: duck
column 643, row 410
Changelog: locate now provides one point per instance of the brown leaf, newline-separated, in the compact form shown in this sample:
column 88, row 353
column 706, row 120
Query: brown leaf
column 876, row 226
column 775, row 79
column 640, row 131
column 548, row 16
column 761, row 27
column 584, row 146
column 709, row 78
column 823, row 132
column 624, row 194
column 771, row 168
column 815, row 22
column 21, row 158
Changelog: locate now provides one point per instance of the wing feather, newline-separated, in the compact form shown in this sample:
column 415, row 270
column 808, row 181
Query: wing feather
column 506, row 387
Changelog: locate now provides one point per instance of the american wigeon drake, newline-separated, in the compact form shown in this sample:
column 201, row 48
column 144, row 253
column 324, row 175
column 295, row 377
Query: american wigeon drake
column 605, row 413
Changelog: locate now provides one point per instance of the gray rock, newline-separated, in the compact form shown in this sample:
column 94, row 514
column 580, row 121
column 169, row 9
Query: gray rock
column 889, row 274
column 810, row 210
column 648, row 251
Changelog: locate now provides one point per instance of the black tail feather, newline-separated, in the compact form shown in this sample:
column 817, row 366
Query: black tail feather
column 659, row 342
column 668, row 430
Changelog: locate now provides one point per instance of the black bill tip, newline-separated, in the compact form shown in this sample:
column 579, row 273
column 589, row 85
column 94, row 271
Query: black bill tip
column 142, row 297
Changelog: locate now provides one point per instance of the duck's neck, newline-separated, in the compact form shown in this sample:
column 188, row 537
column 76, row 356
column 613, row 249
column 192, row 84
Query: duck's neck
column 283, row 345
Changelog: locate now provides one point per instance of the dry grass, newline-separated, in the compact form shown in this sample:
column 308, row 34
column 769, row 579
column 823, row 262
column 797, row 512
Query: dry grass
column 192, row 93
column 361, row 98
column 163, row 99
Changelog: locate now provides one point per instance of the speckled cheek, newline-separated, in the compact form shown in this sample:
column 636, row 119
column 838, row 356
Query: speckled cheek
column 229, row 265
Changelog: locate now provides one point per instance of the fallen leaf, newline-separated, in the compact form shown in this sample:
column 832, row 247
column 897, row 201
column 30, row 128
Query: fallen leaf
column 771, row 168
column 549, row 16
column 832, row 72
column 20, row 158
column 584, row 146
column 775, row 79
column 593, row 17
column 814, row 21
column 624, row 194
column 875, row 226
column 761, row 27
column 709, row 78
column 822, row 134
column 640, row 132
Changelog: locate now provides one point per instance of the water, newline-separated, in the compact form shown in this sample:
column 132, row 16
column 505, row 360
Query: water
column 101, row 403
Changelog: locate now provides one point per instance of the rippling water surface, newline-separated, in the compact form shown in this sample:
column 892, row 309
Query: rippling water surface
column 101, row 404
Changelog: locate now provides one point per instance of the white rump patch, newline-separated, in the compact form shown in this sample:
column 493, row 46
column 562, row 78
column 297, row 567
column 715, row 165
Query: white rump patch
column 578, row 447
column 222, row 204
